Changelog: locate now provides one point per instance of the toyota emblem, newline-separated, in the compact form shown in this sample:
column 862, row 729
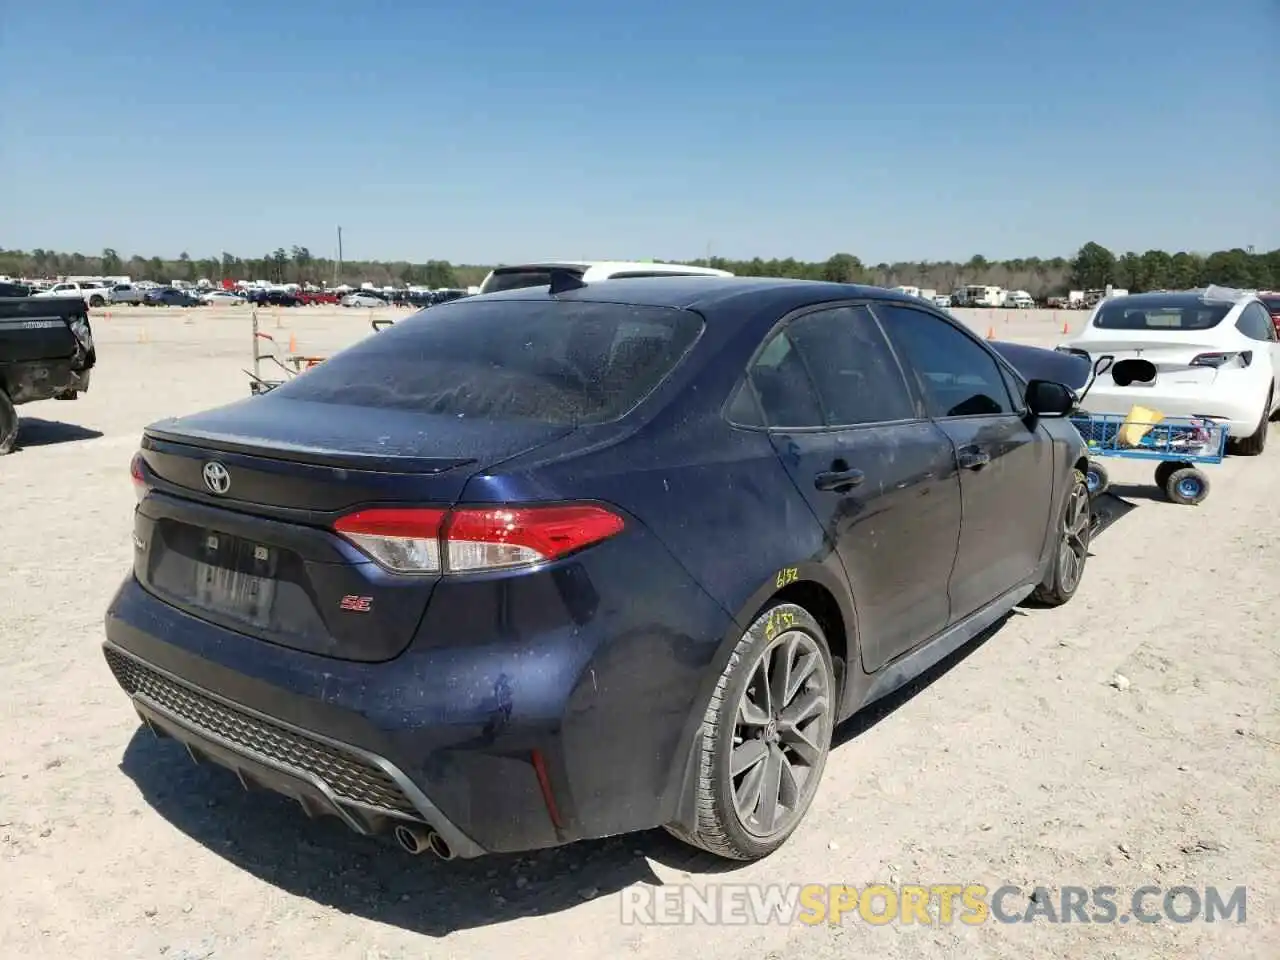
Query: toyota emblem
column 216, row 477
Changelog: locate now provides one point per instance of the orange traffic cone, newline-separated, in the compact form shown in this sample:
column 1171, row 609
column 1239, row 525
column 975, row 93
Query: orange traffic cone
column 293, row 343
column 1066, row 328
column 991, row 333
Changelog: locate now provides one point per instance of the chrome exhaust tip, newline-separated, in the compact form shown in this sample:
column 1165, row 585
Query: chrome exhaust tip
column 439, row 846
column 412, row 839
column 417, row 840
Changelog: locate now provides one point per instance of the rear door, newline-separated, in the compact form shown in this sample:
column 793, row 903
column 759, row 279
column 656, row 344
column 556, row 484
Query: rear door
column 879, row 477
column 1006, row 465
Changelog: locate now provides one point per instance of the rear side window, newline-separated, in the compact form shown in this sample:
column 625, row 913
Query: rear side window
column 1255, row 323
column 854, row 372
column 1174, row 316
column 553, row 362
column 830, row 368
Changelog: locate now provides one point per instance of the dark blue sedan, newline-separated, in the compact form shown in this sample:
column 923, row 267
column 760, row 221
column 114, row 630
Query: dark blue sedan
column 170, row 297
column 581, row 560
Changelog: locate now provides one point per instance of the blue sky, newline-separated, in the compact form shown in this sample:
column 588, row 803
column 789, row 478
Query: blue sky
column 506, row 130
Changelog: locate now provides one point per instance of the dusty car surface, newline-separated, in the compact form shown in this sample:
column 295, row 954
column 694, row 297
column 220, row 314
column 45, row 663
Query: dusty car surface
column 626, row 568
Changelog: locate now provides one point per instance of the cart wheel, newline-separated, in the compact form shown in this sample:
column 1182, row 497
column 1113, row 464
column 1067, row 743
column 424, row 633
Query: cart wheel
column 1096, row 478
column 1165, row 469
column 1187, row 486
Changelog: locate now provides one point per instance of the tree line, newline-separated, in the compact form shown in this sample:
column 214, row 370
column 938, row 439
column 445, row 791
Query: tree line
column 1092, row 268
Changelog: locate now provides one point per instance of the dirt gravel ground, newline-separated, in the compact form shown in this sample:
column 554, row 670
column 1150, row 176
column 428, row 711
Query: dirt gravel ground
column 1129, row 738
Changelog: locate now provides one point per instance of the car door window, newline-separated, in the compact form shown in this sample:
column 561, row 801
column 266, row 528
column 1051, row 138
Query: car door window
column 782, row 383
column 957, row 375
column 854, row 372
column 1017, row 388
column 1256, row 324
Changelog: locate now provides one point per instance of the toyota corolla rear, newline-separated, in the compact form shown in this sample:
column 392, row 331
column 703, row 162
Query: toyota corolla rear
column 1177, row 354
column 361, row 591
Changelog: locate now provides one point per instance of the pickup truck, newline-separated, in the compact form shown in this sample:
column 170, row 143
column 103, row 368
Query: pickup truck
column 46, row 353
column 127, row 293
column 93, row 294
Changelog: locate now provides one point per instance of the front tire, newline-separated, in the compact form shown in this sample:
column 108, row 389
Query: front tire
column 1071, row 551
column 765, row 737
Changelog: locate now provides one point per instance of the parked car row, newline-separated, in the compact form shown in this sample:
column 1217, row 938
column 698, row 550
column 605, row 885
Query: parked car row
column 401, row 298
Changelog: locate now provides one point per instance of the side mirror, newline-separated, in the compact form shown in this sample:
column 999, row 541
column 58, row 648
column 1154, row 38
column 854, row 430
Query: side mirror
column 1045, row 398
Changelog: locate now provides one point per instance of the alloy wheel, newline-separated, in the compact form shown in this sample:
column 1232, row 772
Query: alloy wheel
column 1074, row 547
column 781, row 735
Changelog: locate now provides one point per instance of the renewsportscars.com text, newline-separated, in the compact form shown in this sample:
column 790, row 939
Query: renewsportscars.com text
column 927, row 904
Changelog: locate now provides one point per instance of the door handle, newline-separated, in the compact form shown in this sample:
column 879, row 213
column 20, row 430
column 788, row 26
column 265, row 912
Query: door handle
column 973, row 459
column 838, row 480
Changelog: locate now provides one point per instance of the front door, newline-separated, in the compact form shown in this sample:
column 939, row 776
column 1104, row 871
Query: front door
column 1005, row 459
column 879, row 476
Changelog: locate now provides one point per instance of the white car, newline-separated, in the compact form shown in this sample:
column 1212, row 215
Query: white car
column 223, row 298
column 1211, row 352
column 588, row 271
column 360, row 299
column 93, row 294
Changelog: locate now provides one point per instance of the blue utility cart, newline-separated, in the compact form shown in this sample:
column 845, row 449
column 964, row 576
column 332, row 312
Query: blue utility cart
column 1178, row 445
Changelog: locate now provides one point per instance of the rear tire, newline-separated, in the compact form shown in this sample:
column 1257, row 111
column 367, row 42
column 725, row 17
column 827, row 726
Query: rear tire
column 1071, row 549
column 1254, row 445
column 765, row 737
column 97, row 302
column 8, row 424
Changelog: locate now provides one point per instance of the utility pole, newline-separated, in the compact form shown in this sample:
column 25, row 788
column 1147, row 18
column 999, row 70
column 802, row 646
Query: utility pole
column 337, row 267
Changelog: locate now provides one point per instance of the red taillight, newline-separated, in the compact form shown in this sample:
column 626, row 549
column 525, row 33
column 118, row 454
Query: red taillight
column 467, row 540
column 498, row 537
column 140, row 485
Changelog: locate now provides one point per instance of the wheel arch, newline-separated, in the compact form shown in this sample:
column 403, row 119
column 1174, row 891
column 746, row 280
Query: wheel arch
column 825, row 594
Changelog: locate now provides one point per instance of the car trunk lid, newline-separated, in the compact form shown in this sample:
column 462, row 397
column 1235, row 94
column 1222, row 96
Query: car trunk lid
column 1185, row 361
column 235, row 520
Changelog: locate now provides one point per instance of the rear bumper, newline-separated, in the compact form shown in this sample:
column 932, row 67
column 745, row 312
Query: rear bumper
column 1241, row 413
column 325, row 777
column 498, row 743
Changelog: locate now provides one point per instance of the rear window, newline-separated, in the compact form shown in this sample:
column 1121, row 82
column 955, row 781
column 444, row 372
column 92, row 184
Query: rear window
column 558, row 363
column 1271, row 303
column 1183, row 315
column 518, row 278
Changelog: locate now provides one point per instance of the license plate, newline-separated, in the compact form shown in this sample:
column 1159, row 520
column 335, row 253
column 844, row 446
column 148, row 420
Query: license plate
column 236, row 579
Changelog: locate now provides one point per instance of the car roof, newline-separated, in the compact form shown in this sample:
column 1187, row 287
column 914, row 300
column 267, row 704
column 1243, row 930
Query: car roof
column 710, row 294
column 611, row 266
